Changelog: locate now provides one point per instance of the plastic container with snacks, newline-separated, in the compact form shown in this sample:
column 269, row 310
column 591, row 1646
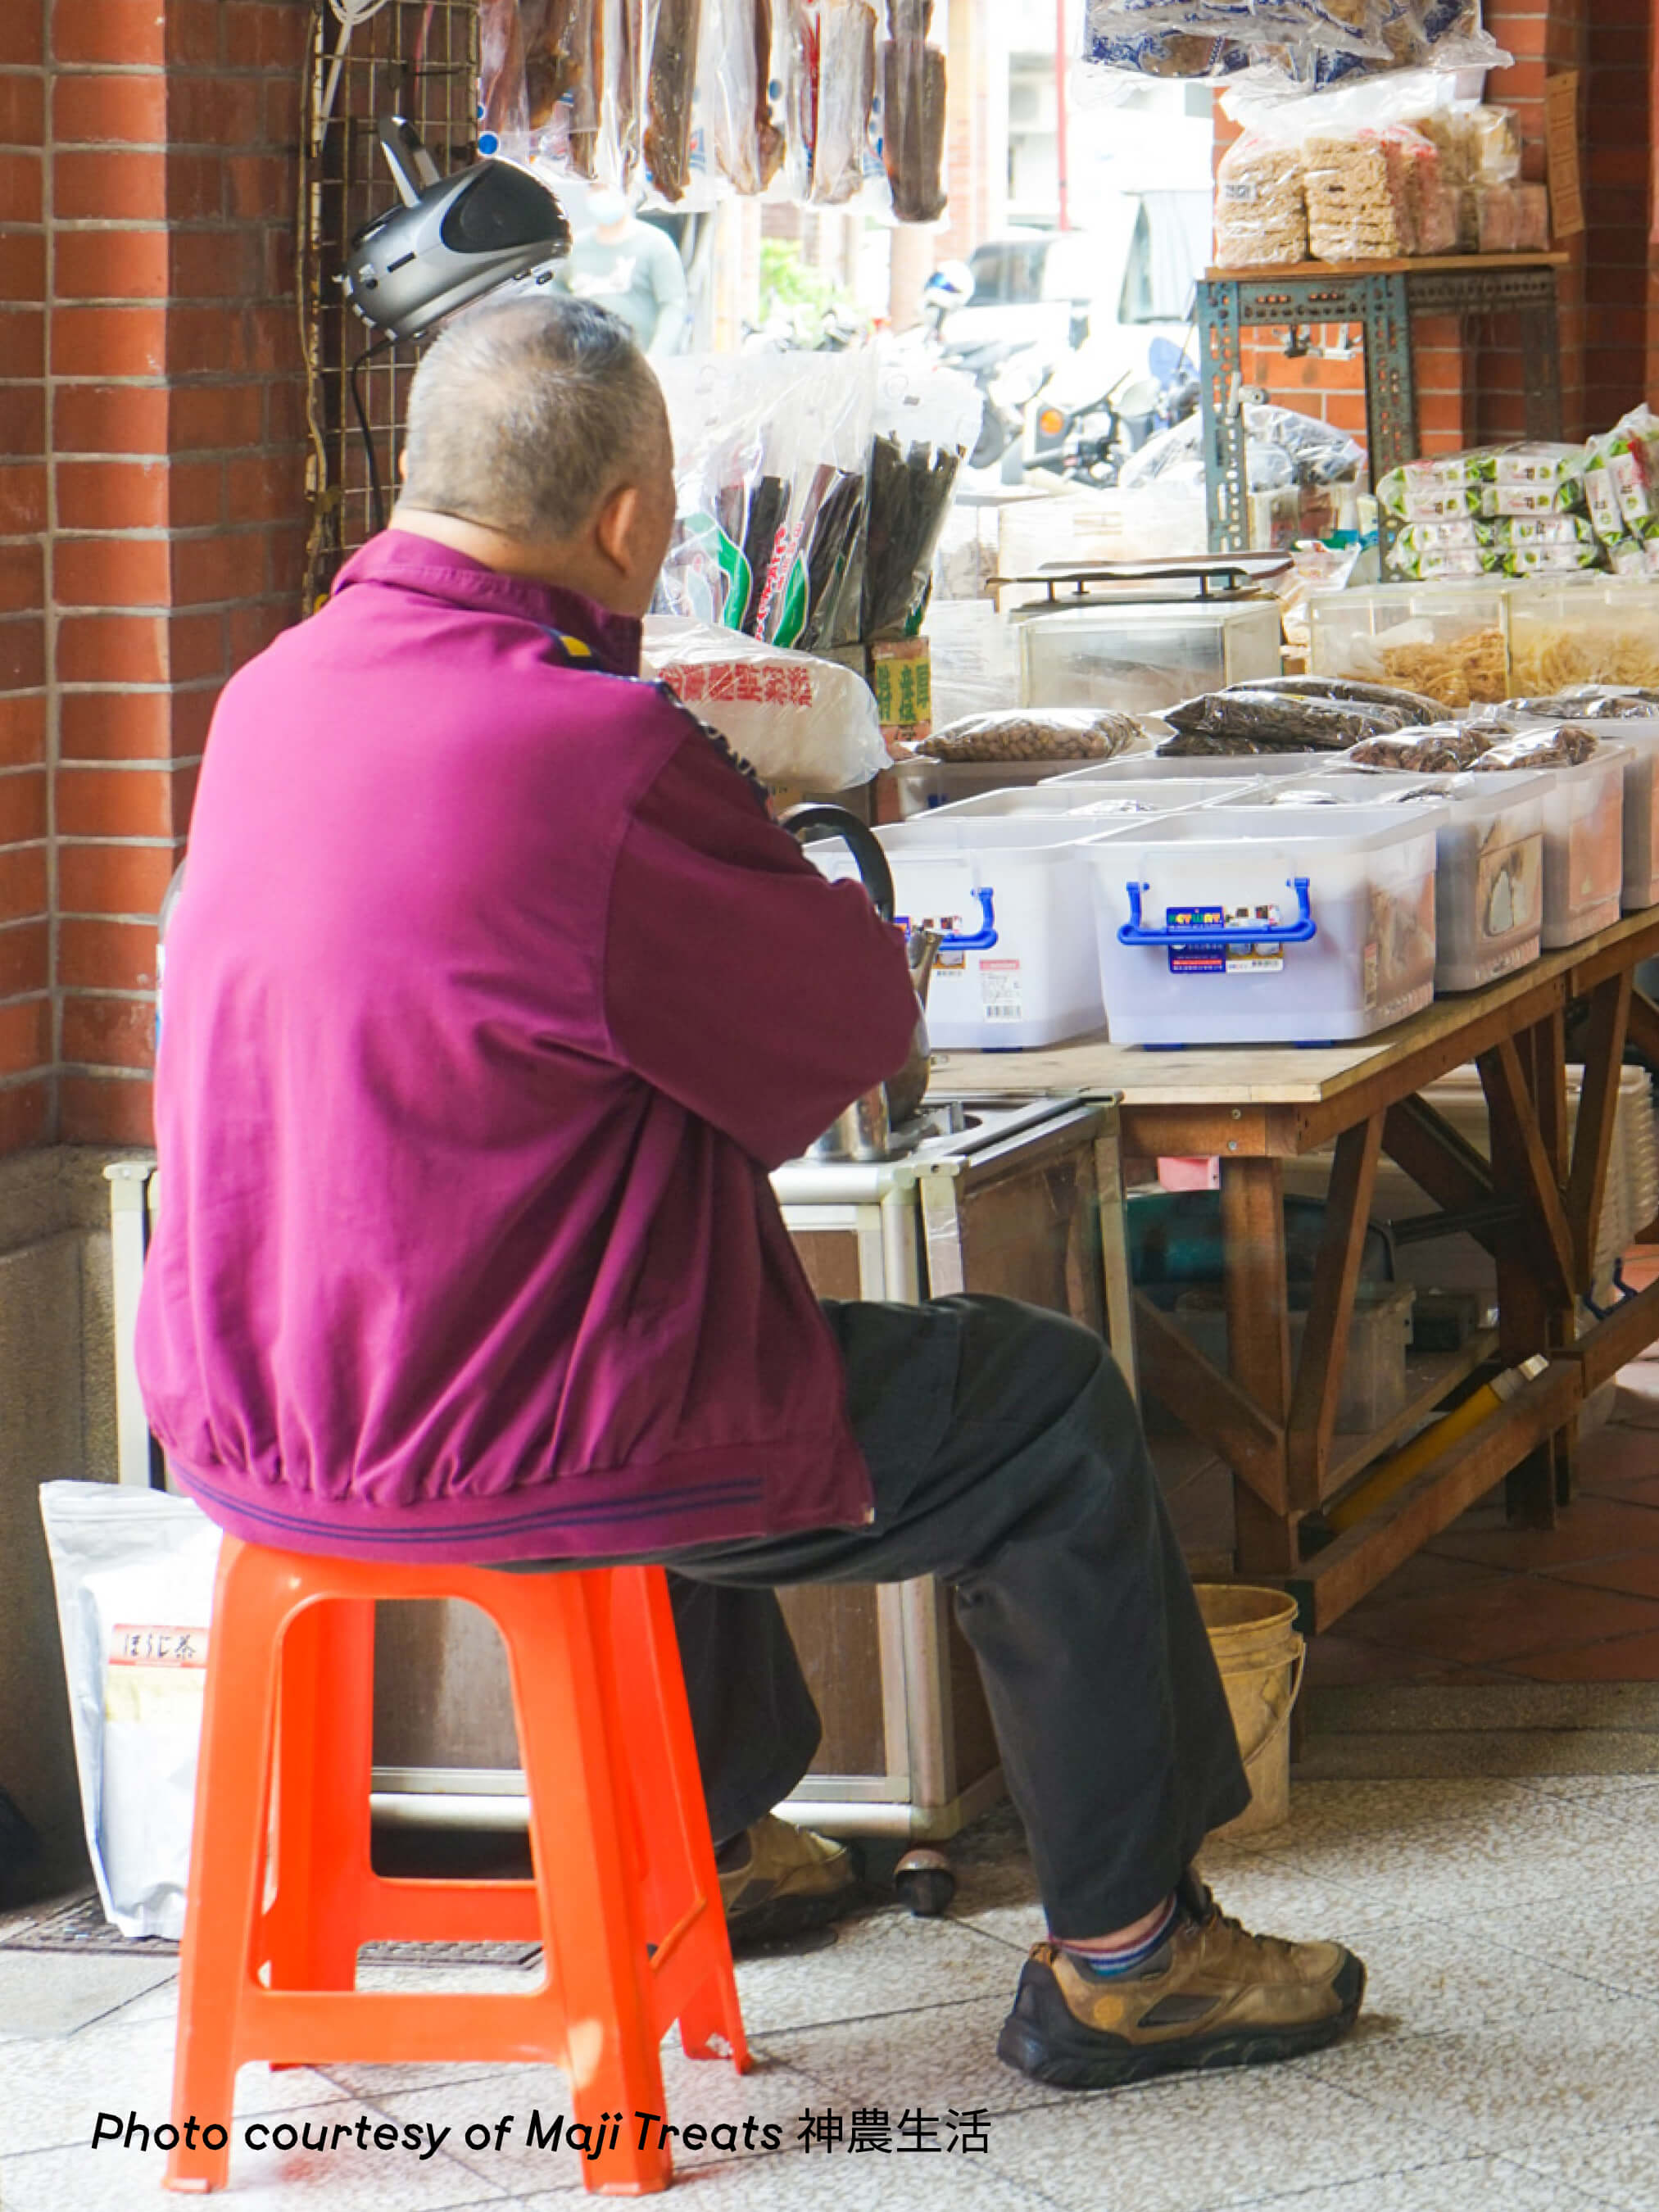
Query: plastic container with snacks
column 1489, row 872
column 1215, row 767
column 1584, row 845
column 1594, row 632
column 1449, row 640
column 1103, row 805
column 920, row 786
column 1266, row 925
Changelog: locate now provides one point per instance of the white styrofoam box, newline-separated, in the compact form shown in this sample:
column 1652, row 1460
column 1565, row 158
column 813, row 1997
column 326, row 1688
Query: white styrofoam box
column 1015, row 897
column 1125, row 796
column 1219, row 765
column 1489, row 875
column 1349, row 954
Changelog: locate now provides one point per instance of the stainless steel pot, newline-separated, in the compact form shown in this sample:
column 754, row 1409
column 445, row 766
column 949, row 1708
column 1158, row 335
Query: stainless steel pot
column 863, row 1131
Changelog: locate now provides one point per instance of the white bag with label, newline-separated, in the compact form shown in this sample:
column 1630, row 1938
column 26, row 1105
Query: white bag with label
column 134, row 1570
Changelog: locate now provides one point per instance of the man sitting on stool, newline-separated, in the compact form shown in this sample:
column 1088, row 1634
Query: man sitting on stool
column 492, row 998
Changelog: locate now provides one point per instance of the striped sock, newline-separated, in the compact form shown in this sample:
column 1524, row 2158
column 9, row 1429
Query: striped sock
column 1106, row 1962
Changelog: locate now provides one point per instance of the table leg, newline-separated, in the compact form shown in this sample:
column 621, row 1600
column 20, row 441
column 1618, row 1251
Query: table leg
column 1534, row 1254
column 1258, row 1340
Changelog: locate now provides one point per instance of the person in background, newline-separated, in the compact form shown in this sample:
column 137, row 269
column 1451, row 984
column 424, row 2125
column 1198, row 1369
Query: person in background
column 494, row 995
column 633, row 268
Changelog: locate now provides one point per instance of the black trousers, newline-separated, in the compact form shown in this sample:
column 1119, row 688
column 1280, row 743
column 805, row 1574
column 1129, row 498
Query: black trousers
column 1007, row 1459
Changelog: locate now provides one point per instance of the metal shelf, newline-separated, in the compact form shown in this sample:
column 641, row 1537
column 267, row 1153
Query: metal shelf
column 1383, row 297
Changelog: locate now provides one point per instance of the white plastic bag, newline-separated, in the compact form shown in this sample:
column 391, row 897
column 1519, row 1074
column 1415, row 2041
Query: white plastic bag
column 134, row 1573
column 797, row 720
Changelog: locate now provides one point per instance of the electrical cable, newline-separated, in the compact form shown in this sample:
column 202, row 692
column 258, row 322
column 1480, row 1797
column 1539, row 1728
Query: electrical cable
column 349, row 14
column 376, row 497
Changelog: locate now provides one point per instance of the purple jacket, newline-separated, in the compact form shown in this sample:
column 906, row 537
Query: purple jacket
column 492, row 998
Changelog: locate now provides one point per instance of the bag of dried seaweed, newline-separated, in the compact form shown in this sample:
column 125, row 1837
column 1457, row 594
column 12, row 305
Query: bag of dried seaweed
column 926, row 422
column 1352, row 689
column 1287, row 724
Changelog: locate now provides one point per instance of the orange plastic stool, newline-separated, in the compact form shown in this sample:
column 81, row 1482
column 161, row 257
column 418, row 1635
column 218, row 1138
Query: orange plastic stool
column 618, row 1833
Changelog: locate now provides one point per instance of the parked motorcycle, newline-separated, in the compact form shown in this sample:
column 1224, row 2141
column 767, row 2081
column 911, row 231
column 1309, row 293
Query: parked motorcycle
column 1089, row 439
column 1010, row 372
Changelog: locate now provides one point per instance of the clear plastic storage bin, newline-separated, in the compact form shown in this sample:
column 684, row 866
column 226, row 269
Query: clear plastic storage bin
column 1214, row 767
column 1142, row 656
column 1597, row 630
column 1450, row 642
column 1640, row 740
column 1017, row 966
column 1584, row 848
column 1374, row 1385
column 1123, row 796
column 1261, row 925
column 922, row 786
column 1489, row 869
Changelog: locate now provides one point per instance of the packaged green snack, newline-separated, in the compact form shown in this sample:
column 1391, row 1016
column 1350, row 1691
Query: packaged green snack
column 1601, row 496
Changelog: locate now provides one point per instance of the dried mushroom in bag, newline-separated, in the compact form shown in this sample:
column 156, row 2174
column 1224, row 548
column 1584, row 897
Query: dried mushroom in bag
column 1569, row 746
column 1441, row 750
column 1033, row 734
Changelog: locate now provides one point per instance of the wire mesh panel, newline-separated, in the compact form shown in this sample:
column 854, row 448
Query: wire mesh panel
column 414, row 58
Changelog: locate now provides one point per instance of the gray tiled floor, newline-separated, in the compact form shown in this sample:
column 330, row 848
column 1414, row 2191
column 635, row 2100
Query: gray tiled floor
column 1509, row 2057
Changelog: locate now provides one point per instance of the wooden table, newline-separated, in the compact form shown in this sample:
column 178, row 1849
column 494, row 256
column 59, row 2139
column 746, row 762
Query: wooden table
column 1536, row 1206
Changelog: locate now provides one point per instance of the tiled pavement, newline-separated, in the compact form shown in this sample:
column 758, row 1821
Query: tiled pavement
column 1505, row 2059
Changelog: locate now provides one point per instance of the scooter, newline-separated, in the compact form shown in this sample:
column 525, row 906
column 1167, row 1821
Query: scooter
column 1089, row 442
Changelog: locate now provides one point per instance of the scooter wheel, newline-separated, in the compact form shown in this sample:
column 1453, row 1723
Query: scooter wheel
column 924, row 1881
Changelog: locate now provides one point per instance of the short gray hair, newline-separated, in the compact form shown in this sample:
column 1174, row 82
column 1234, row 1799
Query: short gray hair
column 526, row 412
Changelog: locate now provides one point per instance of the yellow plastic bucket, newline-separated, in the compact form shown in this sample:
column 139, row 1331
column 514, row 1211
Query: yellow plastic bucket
column 1260, row 1655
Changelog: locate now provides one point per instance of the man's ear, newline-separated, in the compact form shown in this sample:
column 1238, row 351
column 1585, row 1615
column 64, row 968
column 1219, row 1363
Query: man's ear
column 617, row 528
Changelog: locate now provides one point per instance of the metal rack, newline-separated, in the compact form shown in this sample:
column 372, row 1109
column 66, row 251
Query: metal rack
column 1382, row 298
column 419, row 59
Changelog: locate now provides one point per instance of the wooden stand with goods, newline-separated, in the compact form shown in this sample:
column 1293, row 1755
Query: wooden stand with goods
column 1535, row 1206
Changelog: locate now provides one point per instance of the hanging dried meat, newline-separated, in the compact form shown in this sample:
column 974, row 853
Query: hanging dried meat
column 842, row 52
column 671, row 89
column 564, row 67
column 913, row 102
column 748, row 147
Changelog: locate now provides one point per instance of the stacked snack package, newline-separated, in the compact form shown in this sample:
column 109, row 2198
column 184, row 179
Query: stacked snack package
column 1260, row 204
column 1358, row 201
column 1517, row 510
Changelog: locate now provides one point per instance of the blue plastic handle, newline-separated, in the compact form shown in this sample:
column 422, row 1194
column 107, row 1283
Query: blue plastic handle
column 1299, row 932
column 985, row 937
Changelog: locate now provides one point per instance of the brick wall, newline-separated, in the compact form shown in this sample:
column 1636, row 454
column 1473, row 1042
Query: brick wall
column 153, row 422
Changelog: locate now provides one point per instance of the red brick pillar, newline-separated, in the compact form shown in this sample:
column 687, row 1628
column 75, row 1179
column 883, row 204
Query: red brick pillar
column 26, row 1038
column 157, row 500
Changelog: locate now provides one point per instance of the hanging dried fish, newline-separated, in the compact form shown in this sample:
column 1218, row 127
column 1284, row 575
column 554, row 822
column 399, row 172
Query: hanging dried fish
column 843, row 90
column 913, row 105
column 670, row 91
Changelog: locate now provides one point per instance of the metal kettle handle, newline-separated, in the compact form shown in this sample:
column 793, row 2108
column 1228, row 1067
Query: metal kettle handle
column 859, row 840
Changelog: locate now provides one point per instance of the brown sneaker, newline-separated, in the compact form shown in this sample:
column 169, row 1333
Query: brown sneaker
column 1212, row 1995
column 790, row 1879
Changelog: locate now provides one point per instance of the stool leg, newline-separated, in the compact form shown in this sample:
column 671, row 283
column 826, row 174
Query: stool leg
column 569, row 1736
column 227, row 1860
column 650, row 1681
column 324, row 1728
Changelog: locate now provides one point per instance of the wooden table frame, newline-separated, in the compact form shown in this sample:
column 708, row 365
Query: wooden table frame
column 1536, row 1206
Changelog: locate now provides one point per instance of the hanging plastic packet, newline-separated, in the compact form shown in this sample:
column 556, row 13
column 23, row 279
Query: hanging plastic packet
column 926, row 422
column 913, row 86
column 1340, row 25
column 503, row 123
column 736, row 75
column 673, row 38
column 772, row 461
column 830, row 88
